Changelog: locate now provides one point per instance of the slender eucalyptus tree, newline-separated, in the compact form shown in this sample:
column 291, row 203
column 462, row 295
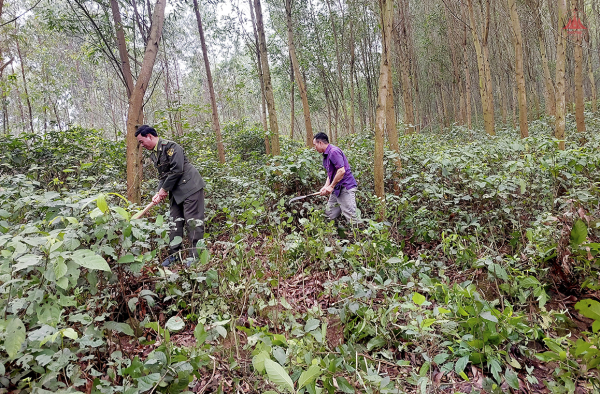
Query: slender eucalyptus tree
column 519, row 74
column 211, row 90
column 262, row 42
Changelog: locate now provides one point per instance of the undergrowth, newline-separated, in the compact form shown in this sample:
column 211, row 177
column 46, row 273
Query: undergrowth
column 483, row 277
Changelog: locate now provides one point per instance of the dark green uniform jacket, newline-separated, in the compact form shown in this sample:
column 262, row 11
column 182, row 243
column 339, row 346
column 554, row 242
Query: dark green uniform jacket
column 175, row 174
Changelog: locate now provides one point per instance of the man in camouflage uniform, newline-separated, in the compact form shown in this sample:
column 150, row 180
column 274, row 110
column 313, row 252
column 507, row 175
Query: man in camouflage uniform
column 181, row 182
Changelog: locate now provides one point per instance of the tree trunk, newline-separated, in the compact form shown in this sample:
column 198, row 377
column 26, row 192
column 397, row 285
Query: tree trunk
column 292, row 101
column 467, row 79
column 401, row 38
column 21, row 109
column 561, row 43
column 167, row 79
column 25, row 84
column 503, row 98
column 457, row 87
column 579, row 105
column 263, row 113
column 135, row 114
column 352, row 61
column 549, row 92
column 275, row 150
column 519, row 74
column 385, row 7
column 591, row 76
column 338, row 63
column 211, row 90
column 483, row 68
column 392, row 130
column 296, row 70
column 125, row 67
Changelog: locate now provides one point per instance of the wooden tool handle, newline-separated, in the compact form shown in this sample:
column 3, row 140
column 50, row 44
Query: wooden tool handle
column 144, row 211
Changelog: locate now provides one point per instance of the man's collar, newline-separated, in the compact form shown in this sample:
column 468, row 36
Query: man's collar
column 327, row 150
column 156, row 146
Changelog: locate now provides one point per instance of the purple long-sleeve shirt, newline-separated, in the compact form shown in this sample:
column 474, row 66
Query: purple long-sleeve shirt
column 333, row 160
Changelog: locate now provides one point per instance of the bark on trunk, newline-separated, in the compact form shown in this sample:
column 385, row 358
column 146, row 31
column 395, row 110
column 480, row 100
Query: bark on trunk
column 25, row 84
column 549, row 91
column 579, row 105
column 211, row 90
column 338, row 64
column 591, row 77
column 262, row 41
column 401, row 38
column 263, row 113
column 467, row 79
column 483, row 65
column 292, row 101
column 299, row 78
column 503, row 98
column 392, row 130
column 124, row 56
column 519, row 74
column 135, row 113
column 561, row 43
column 352, row 61
column 385, row 7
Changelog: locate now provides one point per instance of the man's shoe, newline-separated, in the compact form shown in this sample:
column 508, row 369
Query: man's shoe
column 170, row 260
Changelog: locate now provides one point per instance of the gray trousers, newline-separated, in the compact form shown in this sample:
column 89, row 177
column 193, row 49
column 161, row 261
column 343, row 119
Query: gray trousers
column 344, row 204
column 190, row 213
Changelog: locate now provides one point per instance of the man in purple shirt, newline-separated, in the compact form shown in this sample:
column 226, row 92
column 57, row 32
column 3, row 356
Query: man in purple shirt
column 340, row 185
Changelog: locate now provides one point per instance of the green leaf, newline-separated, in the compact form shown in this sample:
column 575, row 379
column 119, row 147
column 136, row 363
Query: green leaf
column 579, row 233
column 90, row 260
column 461, row 364
column 343, row 385
column 175, row 324
column 428, row 322
column 279, row 355
column 376, row 343
column 440, row 358
column 512, row 379
column 278, row 375
column 311, row 324
column 522, row 183
column 176, row 241
column 145, row 383
column 200, row 334
column 101, row 203
column 27, row 260
column 119, row 327
column 258, row 361
column 132, row 303
column 15, row 336
column 487, row 315
column 418, row 299
column 309, row 376
column 121, row 212
column 589, row 308
column 60, row 268
column 127, row 258
column 204, row 257
column 69, row 333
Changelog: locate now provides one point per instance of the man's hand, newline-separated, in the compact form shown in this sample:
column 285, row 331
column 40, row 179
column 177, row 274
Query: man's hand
column 326, row 190
column 161, row 195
